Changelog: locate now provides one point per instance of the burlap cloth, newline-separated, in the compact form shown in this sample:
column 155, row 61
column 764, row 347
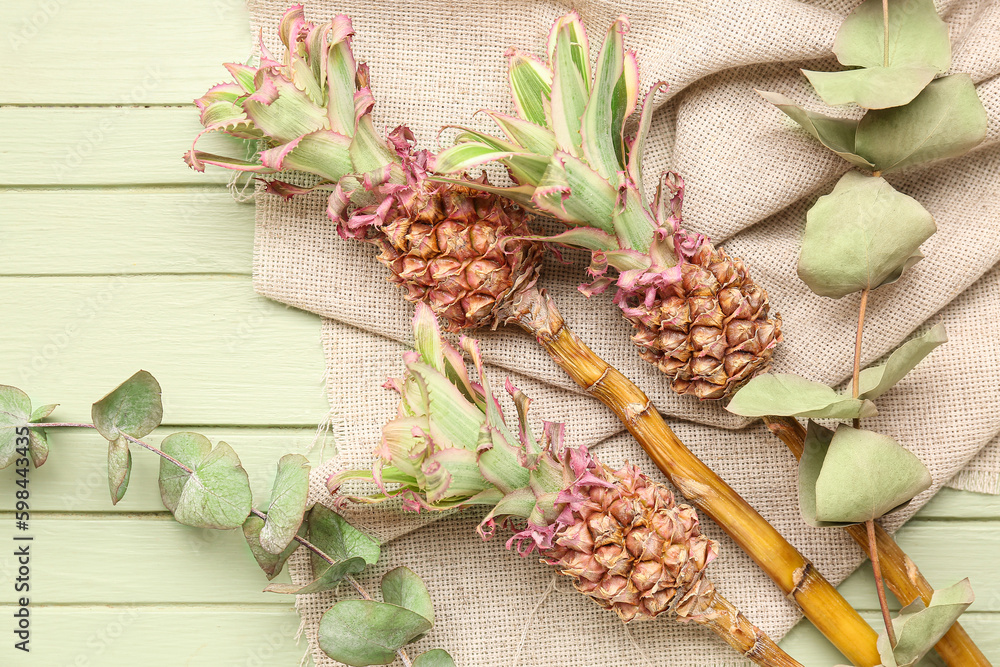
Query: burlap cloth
column 751, row 176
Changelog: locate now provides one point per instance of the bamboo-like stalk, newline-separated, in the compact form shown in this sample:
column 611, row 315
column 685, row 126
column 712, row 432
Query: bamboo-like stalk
column 535, row 312
column 725, row 620
column 905, row 581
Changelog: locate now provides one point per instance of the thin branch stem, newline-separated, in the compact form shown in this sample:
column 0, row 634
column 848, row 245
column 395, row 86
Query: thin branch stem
column 873, row 552
column 158, row 452
column 256, row 512
column 870, row 524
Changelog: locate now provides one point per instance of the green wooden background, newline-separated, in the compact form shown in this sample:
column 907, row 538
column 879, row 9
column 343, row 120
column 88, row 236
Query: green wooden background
column 114, row 256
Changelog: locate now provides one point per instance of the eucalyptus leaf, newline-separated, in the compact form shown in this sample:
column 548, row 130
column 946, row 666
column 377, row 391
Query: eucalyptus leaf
column 837, row 134
column 817, row 443
column 434, row 658
column 15, row 413
column 902, row 268
column 790, row 395
column 216, row 494
column 875, row 381
column 919, row 628
column 365, row 632
column 918, row 48
column 288, row 503
column 946, row 120
column 119, row 468
column 334, row 536
column 402, row 587
column 133, row 408
column 866, row 475
column 917, row 36
column 859, row 235
column 38, row 446
column 327, row 581
column 38, row 440
column 270, row 563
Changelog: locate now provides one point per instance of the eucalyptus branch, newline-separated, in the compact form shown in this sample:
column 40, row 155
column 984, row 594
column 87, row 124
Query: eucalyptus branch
column 206, row 487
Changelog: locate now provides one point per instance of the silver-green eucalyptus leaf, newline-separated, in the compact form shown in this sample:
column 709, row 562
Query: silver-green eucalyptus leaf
column 859, row 235
column 402, row 587
column 875, row 381
column 38, row 439
column 327, row 581
column 917, row 36
column 216, row 494
column 437, row 657
column 866, row 475
column 918, row 628
column 790, row 395
column 15, row 413
column 288, row 503
column 946, row 120
column 270, row 563
column 133, row 407
column 119, row 468
column 817, row 443
column 365, row 632
column 43, row 412
column 837, row 134
column 334, row 536
column 918, row 48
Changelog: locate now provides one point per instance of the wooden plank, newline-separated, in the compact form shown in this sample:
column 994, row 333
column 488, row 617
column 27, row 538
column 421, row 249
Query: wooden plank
column 159, row 635
column 80, row 559
column 223, row 354
column 75, row 478
column 809, row 647
column 144, row 52
column 954, row 504
column 105, row 146
column 927, row 544
column 185, row 230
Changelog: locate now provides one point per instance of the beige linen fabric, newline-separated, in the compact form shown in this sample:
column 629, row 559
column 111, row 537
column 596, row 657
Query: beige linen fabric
column 751, row 176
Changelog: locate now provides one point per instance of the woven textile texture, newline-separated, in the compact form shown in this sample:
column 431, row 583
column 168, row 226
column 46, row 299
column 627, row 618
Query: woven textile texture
column 751, row 176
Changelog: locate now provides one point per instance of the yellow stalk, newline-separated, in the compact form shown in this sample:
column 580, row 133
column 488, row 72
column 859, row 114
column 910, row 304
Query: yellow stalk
column 905, row 581
column 535, row 311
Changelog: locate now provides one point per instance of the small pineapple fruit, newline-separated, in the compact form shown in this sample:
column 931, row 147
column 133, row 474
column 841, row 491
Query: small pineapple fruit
column 698, row 315
column 458, row 249
column 619, row 535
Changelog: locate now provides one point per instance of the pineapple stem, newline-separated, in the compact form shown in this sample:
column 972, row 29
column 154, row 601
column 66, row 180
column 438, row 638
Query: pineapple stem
column 536, row 312
column 870, row 524
column 905, row 581
column 732, row 626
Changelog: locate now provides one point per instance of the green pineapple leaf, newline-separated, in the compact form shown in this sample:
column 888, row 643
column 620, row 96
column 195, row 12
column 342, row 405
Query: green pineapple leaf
column 365, row 632
column 918, row 628
column 790, row 395
column 216, row 494
column 270, row 563
column 119, row 468
column 434, row 658
column 327, row 581
column 133, row 408
column 569, row 53
column 288, row 503
column 530, row 87
column 918, row 48
column 853, row 476
column 860, row 235
column 15, row 413
column 946, row 120
column 331, row 533
column 875, row 381
column 837, row 134
column 403, row 588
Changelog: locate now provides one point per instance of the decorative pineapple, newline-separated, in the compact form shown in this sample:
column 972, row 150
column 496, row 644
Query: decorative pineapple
column 460, row 250
column 619, row 535
column 698, row 315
